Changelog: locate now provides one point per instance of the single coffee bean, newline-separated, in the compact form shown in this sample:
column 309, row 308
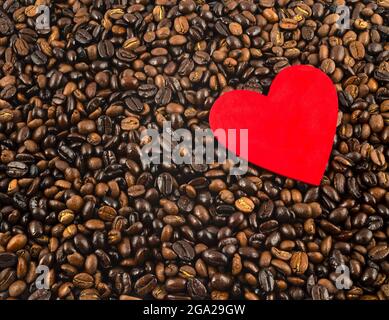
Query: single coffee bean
column 196, row 289
column 214, row 258
column 83, row 281
column 7, row 277
column 320, row 293
column 299, row 262
column 221, row 281
column 379, row 252
column 357, row 50
column 40, row 294
column 129, row 123
column 145, row 284
column 16, row 169
column 181, row 24
column 266, row 280
column 17, row 242
column 245, row 205
column 134, row 104
column 105, row 49
column 107, row 213
column 7, row 260
column 184, row 250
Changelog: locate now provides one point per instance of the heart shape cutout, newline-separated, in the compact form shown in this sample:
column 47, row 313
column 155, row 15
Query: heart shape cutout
column 291, row 130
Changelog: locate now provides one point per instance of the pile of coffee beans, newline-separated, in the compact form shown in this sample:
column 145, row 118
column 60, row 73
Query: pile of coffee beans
column 82, row 217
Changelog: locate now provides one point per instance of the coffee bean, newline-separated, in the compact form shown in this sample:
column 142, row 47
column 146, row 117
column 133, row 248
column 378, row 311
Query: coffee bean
column 165, row 183
column 357, row 50
column 266, row 280
column 16, row 169
column 328, row 66
column 17, row 288
column 6, row 26
column 129, row 123
column 6, row 116
column 266, row 209
column 175, row 285
column 66, row 216
column 107, row 213
column 16, row 243
column 83, row 281
column 379, row 252
column 196, row 289
column 244, row 204
column 21, row 47
column 181, row 24
column 320, row 293
column 177, row 40
column 145, row 284
column 83, row 36
column 183, row 250
column 221, row 281
column 145, row 91
column 163, row 96
column 7, row 260
column 86, row 126
column 299, row 262
column 40, row 294
column 39, row 58
column 134, row 104
column 7, row 277
column 105, row 49
column 214, row 258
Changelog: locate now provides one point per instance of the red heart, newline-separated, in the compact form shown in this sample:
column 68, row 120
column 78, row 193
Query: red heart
column 291, row 130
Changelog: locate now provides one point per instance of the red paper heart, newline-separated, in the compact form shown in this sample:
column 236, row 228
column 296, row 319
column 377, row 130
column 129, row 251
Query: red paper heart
column 291, row 130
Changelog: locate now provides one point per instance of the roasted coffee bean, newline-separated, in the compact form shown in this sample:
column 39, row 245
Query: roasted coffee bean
column 105, row 49
column 145, row 284
column 175, row 285
column 299, row 262
column 40, row 294
column 244, row 204
column 196, row 289
column 7, row 277
column 7, row 260
column 183, row 250
column 38, row 58
column 83, row 281
column 16, row 243
column 221, row 282
column 214, row 258
column 181, row 24
column 147, row 91
column 134, row 104
column 16, row 169
column 379, row 252
column 357, row 50
column 165, row 183
column 83, row 36
column 107, row 213
column 320, row 293
column 266, row 280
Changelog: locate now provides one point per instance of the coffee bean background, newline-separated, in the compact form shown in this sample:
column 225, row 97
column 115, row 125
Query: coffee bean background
column 75, row 197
